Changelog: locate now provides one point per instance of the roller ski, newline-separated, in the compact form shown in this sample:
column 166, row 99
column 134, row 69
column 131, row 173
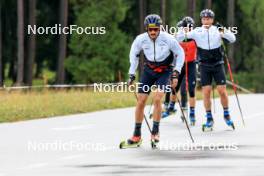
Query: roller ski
column 208, row 126
column 154, row 141
column 133, row 142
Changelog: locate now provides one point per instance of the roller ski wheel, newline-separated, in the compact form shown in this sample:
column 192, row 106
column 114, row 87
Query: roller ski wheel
column 134, row 142
column 208, row 126
column 230, row 123
column 154, row 141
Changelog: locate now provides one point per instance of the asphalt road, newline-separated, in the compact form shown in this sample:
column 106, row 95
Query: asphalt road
column 87, row 144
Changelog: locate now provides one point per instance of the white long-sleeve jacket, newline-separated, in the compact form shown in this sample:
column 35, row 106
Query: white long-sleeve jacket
column 207, row 39
column 156, row 51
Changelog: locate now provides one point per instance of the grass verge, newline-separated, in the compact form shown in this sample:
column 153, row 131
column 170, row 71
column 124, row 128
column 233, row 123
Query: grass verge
column 27, row 105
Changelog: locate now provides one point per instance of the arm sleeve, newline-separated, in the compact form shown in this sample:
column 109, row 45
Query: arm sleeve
column 228, row 35
column 178, row 54
column 134, row 56
column 181, row 35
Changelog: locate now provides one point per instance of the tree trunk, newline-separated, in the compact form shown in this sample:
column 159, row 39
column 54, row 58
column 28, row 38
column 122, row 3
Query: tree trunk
column 31, row 49
column 208, row 4
column 191, row 6
column 20, row 36
column 168, row 13
column 163, row 11
column 62, row 42
column 1, row 61
column 142, row 14
column 231, row 23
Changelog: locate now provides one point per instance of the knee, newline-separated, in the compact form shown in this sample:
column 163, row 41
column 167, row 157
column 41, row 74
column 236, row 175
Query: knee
column 222, row 92
column 141, row 102
column 157, row 100
column 207, row 92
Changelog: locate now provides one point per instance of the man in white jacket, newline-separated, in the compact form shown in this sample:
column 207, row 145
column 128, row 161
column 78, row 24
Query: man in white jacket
column 164, row 59
column 210, row 56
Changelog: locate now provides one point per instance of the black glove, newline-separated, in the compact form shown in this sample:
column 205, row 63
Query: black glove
column 131, row 79
column 220, row 27
column 175, row 75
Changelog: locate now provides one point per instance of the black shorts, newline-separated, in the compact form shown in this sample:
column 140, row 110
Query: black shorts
column 208, row 73
column 150, row 78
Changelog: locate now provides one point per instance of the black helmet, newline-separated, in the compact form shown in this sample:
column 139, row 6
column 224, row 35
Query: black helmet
column 207, row 13
column 188, row 21
column 180, row 24
column 152, row 20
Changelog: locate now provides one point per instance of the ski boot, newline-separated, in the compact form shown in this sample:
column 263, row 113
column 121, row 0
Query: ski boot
column 192, row 120
column 133, row 142
column 192, row 117
column 229, row 122
column 154, row 141
column 208, row 126
column 168, row 112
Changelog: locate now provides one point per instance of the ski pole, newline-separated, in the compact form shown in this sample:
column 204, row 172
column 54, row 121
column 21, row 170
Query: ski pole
column 233, row 83
column 143, row 114
column 188, row 128
column 149, row 113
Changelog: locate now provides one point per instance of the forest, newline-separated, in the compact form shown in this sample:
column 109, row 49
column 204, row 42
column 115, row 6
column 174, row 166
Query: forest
column 100, row 54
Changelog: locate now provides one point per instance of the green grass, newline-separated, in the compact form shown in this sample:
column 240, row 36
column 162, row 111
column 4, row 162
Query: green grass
column 26, row 105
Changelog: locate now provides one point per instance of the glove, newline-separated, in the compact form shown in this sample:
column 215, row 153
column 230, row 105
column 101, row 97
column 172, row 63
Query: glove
column 175, row 75
column 174, row 79
column 220, row 27
column 131, row 79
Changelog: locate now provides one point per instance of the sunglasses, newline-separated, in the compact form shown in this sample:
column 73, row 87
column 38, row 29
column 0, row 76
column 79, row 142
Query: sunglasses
column 153, row 29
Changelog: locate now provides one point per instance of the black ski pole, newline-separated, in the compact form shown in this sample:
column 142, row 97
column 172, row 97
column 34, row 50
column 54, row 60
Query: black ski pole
column 188, row 128
column 149, row 113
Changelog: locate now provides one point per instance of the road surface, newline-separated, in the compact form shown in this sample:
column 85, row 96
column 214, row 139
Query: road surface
column 87, row 144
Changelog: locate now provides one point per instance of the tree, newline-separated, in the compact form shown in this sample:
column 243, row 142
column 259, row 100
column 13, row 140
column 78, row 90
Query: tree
column 230, row 23
column 163, row 11
column 191, row 6
column 208, row 4
column 1, row 61
column 142, row 14
column 99, row 57
column 29, row 65
column 62, row 42
column 20, row 36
